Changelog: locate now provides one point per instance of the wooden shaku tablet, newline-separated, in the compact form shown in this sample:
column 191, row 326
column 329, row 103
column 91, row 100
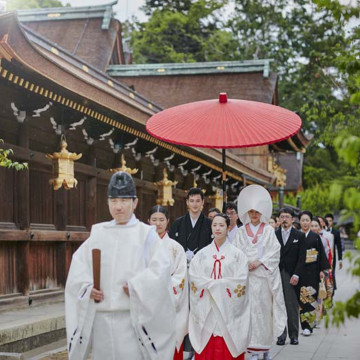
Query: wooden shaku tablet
column 96, row 258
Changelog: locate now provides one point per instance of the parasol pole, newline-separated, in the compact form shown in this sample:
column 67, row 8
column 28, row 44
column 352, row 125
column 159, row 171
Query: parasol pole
column 224, row 178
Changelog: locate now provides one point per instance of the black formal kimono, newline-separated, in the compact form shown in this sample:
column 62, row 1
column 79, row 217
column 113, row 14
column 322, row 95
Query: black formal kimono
column 190, row 238
column 315, row 262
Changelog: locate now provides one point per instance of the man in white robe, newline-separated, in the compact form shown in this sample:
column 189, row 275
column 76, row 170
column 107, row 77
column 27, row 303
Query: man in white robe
column 134, row 315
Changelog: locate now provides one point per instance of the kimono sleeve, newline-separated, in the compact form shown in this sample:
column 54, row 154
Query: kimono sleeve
column 79, row 308
column 152, row 305
column 271, row 254
column 232, row 308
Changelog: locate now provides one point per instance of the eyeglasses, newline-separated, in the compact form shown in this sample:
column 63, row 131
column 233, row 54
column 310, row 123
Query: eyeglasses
column 285, row 216
column 231, row 213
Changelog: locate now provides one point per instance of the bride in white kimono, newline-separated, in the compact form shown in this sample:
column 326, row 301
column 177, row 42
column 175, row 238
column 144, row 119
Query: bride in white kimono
column 258, row 241
column 219, row 324
column 132, row 315
column 159, row 217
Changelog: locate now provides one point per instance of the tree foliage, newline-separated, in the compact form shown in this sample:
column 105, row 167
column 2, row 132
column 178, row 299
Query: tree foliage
column 8, row 163
column 31, row 4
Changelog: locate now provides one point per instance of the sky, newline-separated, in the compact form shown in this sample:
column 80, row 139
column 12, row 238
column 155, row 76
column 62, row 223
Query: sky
column 124, row 8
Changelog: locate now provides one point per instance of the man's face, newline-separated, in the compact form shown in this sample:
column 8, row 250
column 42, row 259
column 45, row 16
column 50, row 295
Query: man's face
column 121, row 209
column 195, row 203
column 211, row 214
column 286, row 220
column 330, row 221
column 233, row 216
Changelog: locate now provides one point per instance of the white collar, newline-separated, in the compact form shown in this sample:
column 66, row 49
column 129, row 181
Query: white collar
column 133, row 220
column 285, row 231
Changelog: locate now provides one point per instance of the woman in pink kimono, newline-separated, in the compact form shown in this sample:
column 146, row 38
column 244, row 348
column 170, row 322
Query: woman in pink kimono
column 258, row 241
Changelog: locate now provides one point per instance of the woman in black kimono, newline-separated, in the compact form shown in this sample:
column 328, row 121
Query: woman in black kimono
column 316, row 262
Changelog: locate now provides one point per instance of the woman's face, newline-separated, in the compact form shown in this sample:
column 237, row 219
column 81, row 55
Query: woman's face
column 160, row 221
column 272, row 223
column 322, row 223
column 305, row 222
column 219, row 228
column 254, row 217
column 315, row 227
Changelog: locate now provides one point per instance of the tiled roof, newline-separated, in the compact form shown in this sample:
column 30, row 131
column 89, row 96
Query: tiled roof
column 69, row 13
column 218, row 67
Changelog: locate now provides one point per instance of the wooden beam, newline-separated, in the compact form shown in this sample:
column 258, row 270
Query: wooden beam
column 43, row 235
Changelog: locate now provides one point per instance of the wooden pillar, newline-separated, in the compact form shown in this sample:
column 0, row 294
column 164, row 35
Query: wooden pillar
column 23, row 188
column 91, row 185
column 61, row 263
column 23, row 216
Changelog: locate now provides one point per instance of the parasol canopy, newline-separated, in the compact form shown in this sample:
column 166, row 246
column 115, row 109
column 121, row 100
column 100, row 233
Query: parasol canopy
column 224, row 123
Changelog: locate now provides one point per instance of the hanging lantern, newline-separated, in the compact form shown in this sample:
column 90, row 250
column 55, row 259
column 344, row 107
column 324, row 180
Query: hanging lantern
column 165, row 190
column 195, row 185
column 217, row 199
column 124, row 168
column 63, row 167
column 278, row 171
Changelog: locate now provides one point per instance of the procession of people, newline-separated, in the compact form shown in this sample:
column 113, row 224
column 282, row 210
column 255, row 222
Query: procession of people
column 212, row 288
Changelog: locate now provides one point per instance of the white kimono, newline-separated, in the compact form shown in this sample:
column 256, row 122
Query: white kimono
column 268, row 312
column 180, row 287
column 139, row 326
column 219, row 303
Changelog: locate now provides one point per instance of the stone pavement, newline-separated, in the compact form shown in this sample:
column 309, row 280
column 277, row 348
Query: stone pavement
column 332, row 343
column 323, row 344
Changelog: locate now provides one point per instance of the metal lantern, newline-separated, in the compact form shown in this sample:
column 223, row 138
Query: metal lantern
column 165, row 190
column 217, row 199
column 63, row 167
column 124, row 168
column 278, row 171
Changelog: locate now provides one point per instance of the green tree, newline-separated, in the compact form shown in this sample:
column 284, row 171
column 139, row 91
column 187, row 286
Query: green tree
column 8, row 163
column 181, row 31
column 30, row 4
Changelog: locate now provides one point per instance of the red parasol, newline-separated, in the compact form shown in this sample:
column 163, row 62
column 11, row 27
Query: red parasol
column 224, row 123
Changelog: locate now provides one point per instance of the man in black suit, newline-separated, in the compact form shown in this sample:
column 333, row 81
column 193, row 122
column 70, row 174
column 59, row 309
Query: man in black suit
column 337, row 245
column 292, row 260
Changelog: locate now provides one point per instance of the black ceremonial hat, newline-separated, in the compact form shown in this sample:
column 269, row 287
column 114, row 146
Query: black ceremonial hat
column 121, row 185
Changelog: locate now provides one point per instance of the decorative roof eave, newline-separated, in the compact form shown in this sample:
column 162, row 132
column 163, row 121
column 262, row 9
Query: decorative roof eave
column 219, row 67
column 236, row 169
column 69, row 13
column 16, row 45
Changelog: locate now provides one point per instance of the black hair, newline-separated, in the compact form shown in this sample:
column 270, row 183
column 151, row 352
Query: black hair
column 315, row 218
column 224, row 216
column 160, row 209
column 330, row 216
column 230, row 206
column 214, row 210
column 286, row 210
column 195, row 191
column 296, row 225
column 306, row 212
column 324, row 220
